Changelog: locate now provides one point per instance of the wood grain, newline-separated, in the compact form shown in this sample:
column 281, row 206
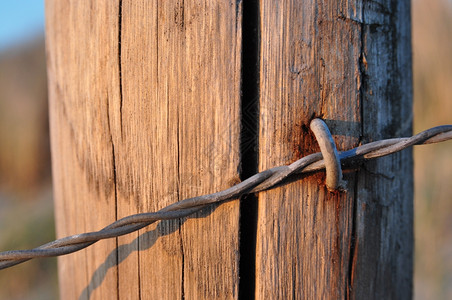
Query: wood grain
column 383, row 260
column 83, row 78
column 331, row 60
column 144, row 101
column 145, row 111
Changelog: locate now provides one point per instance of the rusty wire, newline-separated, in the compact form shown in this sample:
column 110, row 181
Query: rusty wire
column 256, row 183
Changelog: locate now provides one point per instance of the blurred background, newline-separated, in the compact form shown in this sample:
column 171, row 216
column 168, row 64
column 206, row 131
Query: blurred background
column 432, row 66
column 26, row 211
column 26, row 208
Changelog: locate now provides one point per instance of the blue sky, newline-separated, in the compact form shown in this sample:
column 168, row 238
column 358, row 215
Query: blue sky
column 20, row 21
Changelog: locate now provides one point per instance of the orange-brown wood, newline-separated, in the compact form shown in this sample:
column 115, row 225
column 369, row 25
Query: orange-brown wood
column 144, row 102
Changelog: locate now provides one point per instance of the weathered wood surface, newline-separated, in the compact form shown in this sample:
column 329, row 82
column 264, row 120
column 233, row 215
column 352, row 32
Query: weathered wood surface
column 383, row 261
column 145, row 111
column 144, row 104
column 348, row 62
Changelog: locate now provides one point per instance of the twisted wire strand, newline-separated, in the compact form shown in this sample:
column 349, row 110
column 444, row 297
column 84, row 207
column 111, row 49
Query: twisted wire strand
column 256, row 183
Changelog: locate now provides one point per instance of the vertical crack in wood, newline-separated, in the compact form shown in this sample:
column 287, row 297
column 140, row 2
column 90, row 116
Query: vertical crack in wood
column 178, row 199
column 182, row 262
column 120, row 62
column 249, row 124
column 353, row 241
column 354, row 230
column 112, row 143
column 113, row 162
column 116, row 212
column 178, row 148
column 181, row 7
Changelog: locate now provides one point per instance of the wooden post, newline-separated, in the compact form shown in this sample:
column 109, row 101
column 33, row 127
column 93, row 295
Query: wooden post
column 348, row 62
column 146, row 110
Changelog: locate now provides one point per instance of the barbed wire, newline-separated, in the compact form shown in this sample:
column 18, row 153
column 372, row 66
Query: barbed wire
column 261, row 181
